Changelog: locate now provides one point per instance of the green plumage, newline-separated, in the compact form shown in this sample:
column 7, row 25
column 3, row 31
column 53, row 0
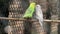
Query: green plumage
column 30, row 10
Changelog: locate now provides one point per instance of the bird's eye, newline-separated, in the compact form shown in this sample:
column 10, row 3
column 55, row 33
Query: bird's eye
column 37, row 6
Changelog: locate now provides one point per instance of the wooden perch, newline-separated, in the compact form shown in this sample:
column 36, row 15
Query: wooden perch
column 22, row 19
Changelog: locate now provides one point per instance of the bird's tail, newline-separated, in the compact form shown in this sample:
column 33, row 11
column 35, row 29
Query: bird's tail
column 42, row 25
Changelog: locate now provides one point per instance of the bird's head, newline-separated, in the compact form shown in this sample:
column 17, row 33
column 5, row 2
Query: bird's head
column 32, row 4
column 38, row 6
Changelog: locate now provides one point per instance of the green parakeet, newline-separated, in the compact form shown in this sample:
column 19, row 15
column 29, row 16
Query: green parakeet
column 30, row 10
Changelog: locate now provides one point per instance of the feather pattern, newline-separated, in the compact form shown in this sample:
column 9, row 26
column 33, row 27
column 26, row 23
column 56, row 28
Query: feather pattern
column 39, row 14
column 30, row 10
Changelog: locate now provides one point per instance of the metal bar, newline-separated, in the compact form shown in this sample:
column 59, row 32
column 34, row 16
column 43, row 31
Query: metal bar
column 22, row 19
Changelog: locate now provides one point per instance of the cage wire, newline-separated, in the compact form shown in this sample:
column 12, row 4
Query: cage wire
column 17, row 9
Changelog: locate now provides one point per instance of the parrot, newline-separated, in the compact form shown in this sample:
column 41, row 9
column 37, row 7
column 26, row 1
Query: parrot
column 39, row 15
column 8, row 29
column 30, row 10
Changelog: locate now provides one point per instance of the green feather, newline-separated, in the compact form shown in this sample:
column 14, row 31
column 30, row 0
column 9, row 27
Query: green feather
column 29, row 12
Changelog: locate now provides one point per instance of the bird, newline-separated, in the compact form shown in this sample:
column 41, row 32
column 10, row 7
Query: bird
column 8, row 29
column 30, row 10
column 39, row 15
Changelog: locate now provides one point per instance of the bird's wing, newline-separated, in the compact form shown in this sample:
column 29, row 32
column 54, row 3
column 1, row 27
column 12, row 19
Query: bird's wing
column 39, row 14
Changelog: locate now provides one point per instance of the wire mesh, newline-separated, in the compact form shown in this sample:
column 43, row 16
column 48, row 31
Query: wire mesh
column 17, row 9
